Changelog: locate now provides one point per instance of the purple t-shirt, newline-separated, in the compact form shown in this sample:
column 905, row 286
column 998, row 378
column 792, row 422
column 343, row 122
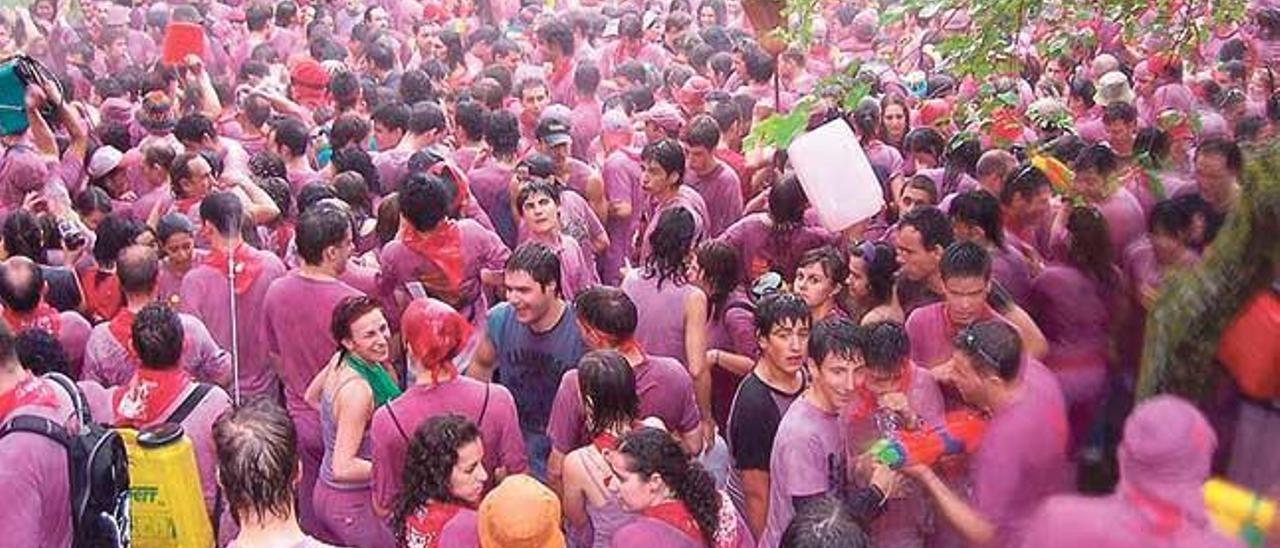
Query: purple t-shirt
column 662, row 384
column 808, row 458
column 206, row 295
column 297, row 312
column 35, row 473
column 1022, row 459
column 1073, row 312
column 1125, row 220
column 1009, row 268
column 489, row 184
column 499, row 429
column 685, row 197
column 722, row 192
column 1068, row 521
column 647, row 531
column 660, row 330
column 481, row 250
column 584, row 126
column 74, row 337
column 392, row 166
column 621, row 173
column 109, row 363
column 761, row 248
column 931, row 333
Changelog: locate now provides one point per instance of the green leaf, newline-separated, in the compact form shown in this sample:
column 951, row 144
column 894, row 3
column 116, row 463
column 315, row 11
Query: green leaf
column 778, row 130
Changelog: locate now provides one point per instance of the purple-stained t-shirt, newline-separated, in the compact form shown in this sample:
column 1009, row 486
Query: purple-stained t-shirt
column 621, row 173
column 141, row 208
column 1113, row 521
column 74, row 337
column 198, row 426
column 576, row 271
column 35, row 473
column 1022, row 458
column 584, row 125
column 647, row 531
column 762, row 248
column 481, row 250
column 732, row 331
column 206, row 294
column 722, row 193
column 107, row 361
column 489, row 184
column 685, row 197
column 808, row 458
column 1072, row 310
column 169, row 282
column 1009, row 268
column 392, row 166
column 299, row 178
column 499, row 431
column 577, row 220
column 662, row 384
column 461, row 531
column 883, row 155
column 931, row 333
column 660, row 330
column 1125, row 220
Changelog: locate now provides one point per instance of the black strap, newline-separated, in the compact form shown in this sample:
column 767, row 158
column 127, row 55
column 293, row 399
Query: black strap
column 41, row 426
column 189, row 404
column 484, row 406
column 73, row 391
column 396, row 420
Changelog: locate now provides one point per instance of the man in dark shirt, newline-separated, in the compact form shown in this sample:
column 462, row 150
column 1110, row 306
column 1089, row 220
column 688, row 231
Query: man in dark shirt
column 782, row 331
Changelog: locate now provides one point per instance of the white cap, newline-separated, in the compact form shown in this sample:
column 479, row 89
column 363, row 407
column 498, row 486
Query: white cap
column 104, row 160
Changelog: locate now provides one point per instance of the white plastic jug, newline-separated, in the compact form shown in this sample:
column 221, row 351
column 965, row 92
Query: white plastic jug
column 835, row 175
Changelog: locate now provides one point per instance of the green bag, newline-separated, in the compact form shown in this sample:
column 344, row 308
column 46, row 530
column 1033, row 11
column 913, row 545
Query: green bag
column 13, row 99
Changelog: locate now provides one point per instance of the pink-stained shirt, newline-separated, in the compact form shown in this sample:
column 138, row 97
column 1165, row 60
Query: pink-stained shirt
column 1113, row 521
column 662, row 384
column 621, row 173
column 392, row 166
column 206, row 294
column 722, row 193
column 499, row 429
column 685, row 197
column 1126, row 221
column 931, row 332
column 808, row 458
column 661, row 327
column 762, row 248
column 108, row 362
column 647, row 531
column 481, row 250
column 34, row 477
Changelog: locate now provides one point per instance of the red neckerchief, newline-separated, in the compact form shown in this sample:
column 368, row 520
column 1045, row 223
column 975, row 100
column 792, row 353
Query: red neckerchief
column 605, row 440
column 147, row 394
column 102, row 293
column 31, row 391
column 43, row 317
column 121, row 329
column 868, row 401
column 1163, row 519
column 424, row 527
column 248, row 266
column 279, row 238
column 675, row 514
column 442, row 247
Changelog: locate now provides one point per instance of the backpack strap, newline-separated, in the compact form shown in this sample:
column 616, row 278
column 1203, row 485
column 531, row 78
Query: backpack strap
column 189, row 404
column 41, row 426
column 77, row 396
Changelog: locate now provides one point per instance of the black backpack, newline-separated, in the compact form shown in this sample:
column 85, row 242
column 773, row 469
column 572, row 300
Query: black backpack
column 98, row 472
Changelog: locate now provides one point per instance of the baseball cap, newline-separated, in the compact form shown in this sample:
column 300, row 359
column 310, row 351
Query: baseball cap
column 104, row 160
column 553, row 132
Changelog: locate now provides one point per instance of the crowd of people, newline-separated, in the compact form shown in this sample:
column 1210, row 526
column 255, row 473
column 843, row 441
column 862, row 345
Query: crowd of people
column 504, row 274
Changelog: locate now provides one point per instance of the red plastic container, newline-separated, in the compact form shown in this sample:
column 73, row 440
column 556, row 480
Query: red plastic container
column 181, row 40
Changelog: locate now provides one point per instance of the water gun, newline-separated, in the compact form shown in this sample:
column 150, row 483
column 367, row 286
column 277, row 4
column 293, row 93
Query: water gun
column 961, row 432
column 1238, row 512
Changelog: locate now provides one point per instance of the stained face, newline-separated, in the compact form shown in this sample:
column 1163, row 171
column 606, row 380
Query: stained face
column 370, row 337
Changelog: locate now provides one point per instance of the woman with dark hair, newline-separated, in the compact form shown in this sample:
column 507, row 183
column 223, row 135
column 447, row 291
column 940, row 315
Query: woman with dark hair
column 820, row 279
column 775, row 240
column 731, row 343
column 176, row 236
column 1077, row 302
column 711, row 13
column 869, row 295
column 895, row 120
column 675, row 499
column 976, row 216
column 868, row 121
column 611, row 404
column 347, row 391
column 672, row 311
column 352, row 189
column 443, row 485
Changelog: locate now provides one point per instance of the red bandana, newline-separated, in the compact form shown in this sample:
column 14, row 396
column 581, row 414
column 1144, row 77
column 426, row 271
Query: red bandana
column 248, row 266
column 605, row 441
column 424, row 527
column 102, row 293
column 185, row 205
column 29, row 392
column 442, row 247
column 147, row 394
column 675, row 514
column 121, row 329
column 43, row 317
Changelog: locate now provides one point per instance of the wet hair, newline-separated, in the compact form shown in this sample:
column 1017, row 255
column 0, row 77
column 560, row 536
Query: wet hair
column 415, row 87
column 502, row 132
column 157, row 336
column 1024, row 183
column 608, row 386
column 607, row 310
column 312, row 193
column 834, row 337
column 922, row 182
column 651, row 451
column 834, row 264
column 388, row 216
column 824, row 522
column 138, row 269
column 760, row 65
column 1169, row 217
column 924, row 139
column 881, row 265
column 114, row 234
column 640, row 97
column 586, row 79
column 349, row 128
column 193, row 128
column 720, row 271
column 223, row 210
column 470, row 117
column 558, row 34
column 319, row 229
column 172, row 224
column 702, row 131
column 1082, row 89
column 1090, row 248
column 965, row 260
column 779, row 308
column 257, row 454
column 358, row 160
column 886, row 346
column 1119, row 112
column 347, row 312
column 40, row 352
column 426, row 116
column 537, row 260
column 668, row 154
column 994, row 346
column 267, row 164
column 180, row 170
column 428, row 468
column 932, row 224
column 292, row 135
column 23, row 236
column 425, row 200
column 669, row 244
column 980, row 209
column 350, row 187
column 537, row 187
column 1226, row 149
column 1097, row 158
